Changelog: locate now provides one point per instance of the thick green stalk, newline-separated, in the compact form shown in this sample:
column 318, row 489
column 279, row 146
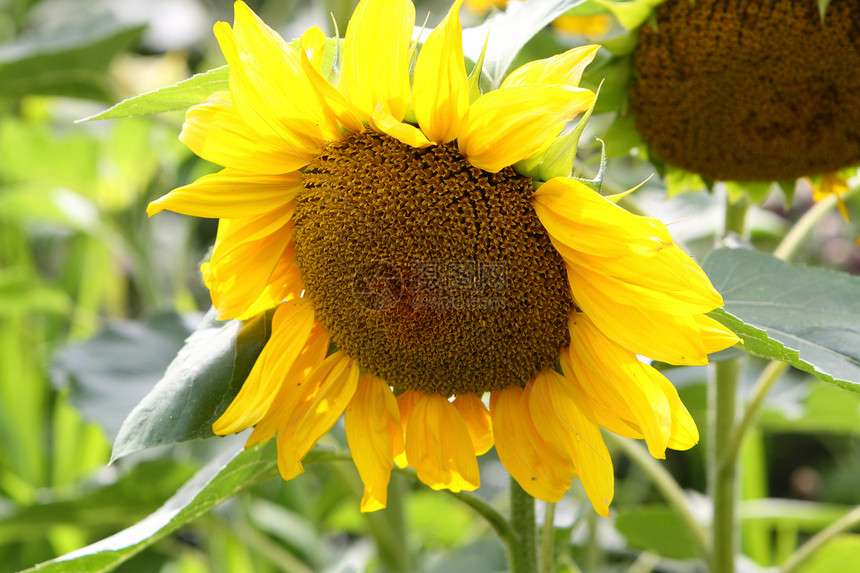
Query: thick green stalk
column 723, row 476
column 547, row 541
column 522, row 551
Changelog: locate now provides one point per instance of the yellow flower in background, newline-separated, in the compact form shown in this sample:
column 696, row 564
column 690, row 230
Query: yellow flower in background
column 587, row 26
column 414, row 271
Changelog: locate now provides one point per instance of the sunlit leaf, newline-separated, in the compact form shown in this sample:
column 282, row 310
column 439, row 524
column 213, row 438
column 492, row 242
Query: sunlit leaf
column 807, row 317
column 508, row 33
column 198, row 386
column 70, row 61
column 833, row 555
column 178, row 96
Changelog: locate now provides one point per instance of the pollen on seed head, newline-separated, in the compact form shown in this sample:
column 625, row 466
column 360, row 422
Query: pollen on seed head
column 436, row 276
column 751, row 90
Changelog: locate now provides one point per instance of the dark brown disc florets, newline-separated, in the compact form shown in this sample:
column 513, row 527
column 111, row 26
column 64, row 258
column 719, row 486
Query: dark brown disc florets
column 751, row 90
column 433, row 274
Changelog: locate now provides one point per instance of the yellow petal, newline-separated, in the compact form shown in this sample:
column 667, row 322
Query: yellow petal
column 510, row 124
column 371, row 420
column 441, row 90
column 578, row 218
column 477, row 419
column 541, row 469
column 561, row 415
column 313, row 42
column 610, row 410
column 595, row 26
column 246, row 253
column 311, row 356
column 561, row 69
column 625, row 290
column 386, row 123
column 658, row 335
column 230, row 194
column 376, row 55
column 405, row 402
column 438, row 446
column 285, row 283
column 322, row 400
column 715, row 336
column 685, row 434
column 268, row 85
column 215, row 131
column 614, row 376
column 291, row 327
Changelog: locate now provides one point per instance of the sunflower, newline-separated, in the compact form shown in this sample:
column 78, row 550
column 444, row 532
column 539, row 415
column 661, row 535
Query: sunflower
column 413, row 271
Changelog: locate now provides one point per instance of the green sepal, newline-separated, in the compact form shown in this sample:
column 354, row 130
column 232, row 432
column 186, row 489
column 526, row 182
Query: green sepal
column 822, row 8
column 757, row 191
column 596, row 184
column 788, row 190
column 475, row 77
column 631, row 15
column 559, row 157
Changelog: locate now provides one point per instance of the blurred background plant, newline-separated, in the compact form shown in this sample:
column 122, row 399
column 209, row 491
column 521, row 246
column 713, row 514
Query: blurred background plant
column 95, row 301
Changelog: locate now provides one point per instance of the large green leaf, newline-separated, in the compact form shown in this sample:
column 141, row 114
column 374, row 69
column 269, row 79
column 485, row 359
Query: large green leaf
column 178, row 96
column 71, row 61
column 507, row 32
column 807, row 317
column 219, row 480
column 198, row 386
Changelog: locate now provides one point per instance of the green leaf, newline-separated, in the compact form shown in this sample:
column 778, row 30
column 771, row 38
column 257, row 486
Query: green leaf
column 198, row 386
column 134, row 495
column 807, row 317
column 70, row 61
column 658, row 529
column 221, row 479
column 508, row 32
column 178, row 96
column 826, row 409
column 631, row 14
column 834, row 555
column 112, row 371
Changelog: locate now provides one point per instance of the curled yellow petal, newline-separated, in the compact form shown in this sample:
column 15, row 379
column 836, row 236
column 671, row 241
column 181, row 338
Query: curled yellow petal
column 376, row 55
column 438, row 446
column 215, row 131
column 372, row 420
column 291, row 327
column 441, row 90
column 561, row 69
column 405, row 402
column 322, row 400
column 543, row 470
column 386, row 123
column 513, row 123
column 477, row 418
column 562, row 416
column 245, row 256
column 311, row 356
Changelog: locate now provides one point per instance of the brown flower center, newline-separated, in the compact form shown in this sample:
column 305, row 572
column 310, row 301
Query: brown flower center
column 433, row 274
column 751, row 90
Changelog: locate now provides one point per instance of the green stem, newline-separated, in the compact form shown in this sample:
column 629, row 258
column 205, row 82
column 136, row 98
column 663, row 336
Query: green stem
column 765, row 382
column 499, row 524
column 668, row 488
column 849, row 521
column 723, row 476
column 798, row 233
column 523, row 551
column 736, row 214
column 547, row 540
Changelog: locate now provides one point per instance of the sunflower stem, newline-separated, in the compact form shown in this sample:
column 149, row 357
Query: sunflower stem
column 547, row 540
column 522, row 547
column 736, row 214
column 723, row 474
column 849, row 521
column 798, row 233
